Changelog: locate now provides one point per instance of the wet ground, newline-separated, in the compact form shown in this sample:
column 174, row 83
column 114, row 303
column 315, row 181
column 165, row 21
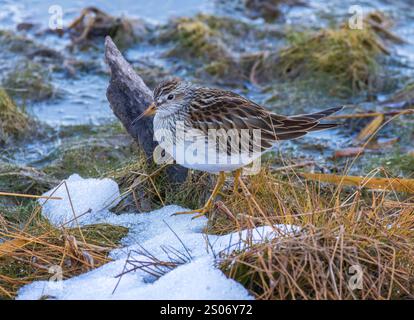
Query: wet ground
column 74, row 103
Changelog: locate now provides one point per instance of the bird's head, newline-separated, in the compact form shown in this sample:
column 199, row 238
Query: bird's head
column 169, row 97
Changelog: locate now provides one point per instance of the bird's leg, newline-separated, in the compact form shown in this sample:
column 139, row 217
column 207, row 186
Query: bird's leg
column 236, row 175
column 207, row 207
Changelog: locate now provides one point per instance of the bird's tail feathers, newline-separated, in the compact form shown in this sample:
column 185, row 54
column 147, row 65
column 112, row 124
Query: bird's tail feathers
column 319, row 115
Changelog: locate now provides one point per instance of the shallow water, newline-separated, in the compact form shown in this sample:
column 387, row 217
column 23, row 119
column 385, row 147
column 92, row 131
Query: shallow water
column 82, row 98
column 154, row 10
column 85, row 101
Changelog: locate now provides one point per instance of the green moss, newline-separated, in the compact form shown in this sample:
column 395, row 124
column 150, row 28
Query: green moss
column 19, row 179
column 13, row 122
column 209, row 43
column 196, row 39
column 348, row 58
column 87, row 131
column 18, row 213
column 397, row 164
column 16, row 270
column 16, row 43
column 29, row 81
column 102, row 234
column 201, row 39
column 90, row 158
column 227, row 27
column 24, row 179
column 222, row 68
column 89, row 150
column 152, row 73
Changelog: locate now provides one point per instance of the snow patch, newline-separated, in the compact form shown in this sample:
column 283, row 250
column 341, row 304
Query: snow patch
column 197, row 279
column 91, row 199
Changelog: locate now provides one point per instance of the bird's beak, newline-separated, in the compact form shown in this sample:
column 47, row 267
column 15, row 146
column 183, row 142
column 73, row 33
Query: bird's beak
column 148, row 112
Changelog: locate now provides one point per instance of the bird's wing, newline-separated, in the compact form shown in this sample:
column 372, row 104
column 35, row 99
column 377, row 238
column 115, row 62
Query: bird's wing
column 219, row 109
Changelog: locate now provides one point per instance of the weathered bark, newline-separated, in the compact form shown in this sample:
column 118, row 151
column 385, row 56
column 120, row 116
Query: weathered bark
column 129, row 96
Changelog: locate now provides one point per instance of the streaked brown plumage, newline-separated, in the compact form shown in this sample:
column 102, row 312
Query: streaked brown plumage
column 231, row 111
column 209, row 108
column 202, row 109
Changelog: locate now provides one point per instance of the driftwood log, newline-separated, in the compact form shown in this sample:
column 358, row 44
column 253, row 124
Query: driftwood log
column 129, row 96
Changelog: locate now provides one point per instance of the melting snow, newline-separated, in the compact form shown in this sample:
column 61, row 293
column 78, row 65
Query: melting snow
column 197, row 279
column 91, row 200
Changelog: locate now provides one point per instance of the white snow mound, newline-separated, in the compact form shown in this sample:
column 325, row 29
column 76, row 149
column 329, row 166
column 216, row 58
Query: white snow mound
column 91, row 199
column 198, row 279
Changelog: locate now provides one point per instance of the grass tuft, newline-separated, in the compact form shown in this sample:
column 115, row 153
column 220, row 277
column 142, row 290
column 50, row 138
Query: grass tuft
column 42, row 250
column 29, row 82
column 324, row 263
column 13, row 122
column 350, row 58
column 342, row 229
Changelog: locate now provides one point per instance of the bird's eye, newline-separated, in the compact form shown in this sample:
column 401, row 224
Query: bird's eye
column 170, row 97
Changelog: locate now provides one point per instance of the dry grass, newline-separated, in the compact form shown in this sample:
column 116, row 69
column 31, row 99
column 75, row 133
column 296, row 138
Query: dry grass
column 320, row 263
column 348, row 55
column 39, row 251
column 196, row 40
column 350, row 58
column 13, row 122
column 341, row 227
column 147, row 187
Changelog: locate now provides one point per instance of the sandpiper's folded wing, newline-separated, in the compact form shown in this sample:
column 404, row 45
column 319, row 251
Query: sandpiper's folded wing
column 219, row 109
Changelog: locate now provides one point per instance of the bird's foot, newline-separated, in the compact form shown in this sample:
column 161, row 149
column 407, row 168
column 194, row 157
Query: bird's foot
column 201, row 212
column 209, row 204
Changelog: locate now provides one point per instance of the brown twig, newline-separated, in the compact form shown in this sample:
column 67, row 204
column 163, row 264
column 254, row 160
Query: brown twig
column 370, row 114
column 23, row 195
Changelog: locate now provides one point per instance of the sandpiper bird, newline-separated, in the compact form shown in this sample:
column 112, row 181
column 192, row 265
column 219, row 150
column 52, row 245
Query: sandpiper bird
column 191, row 121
